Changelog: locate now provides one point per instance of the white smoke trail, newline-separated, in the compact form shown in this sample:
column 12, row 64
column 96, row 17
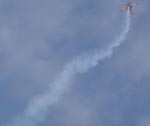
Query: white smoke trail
column 38, row 108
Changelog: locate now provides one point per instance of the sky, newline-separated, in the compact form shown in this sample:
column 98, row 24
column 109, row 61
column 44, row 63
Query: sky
column 38, row 39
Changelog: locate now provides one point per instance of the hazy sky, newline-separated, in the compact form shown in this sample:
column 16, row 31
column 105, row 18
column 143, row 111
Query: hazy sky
column 38, row 38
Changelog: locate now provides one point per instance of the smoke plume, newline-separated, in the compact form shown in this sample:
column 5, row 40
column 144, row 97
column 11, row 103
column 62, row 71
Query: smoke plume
column 38, row 108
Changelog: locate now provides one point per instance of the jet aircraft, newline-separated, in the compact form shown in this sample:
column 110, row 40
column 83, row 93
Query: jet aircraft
column 129, row 7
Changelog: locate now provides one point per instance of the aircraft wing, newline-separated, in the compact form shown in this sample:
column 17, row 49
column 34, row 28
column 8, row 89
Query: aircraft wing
column 124, row 8
column 133, row 4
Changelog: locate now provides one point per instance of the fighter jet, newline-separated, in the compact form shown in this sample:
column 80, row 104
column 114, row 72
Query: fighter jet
column 129, row 7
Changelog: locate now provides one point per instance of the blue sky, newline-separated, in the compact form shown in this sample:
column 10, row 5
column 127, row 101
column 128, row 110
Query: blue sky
column 39, row 38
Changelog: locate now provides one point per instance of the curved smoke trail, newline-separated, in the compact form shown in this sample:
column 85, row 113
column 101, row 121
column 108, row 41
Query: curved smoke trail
column 38, row 108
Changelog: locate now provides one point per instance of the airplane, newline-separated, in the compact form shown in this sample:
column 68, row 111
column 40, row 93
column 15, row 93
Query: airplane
column 129, row 7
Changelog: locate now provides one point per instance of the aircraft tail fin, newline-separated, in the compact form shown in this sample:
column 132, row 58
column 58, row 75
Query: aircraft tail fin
column 132, row 12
